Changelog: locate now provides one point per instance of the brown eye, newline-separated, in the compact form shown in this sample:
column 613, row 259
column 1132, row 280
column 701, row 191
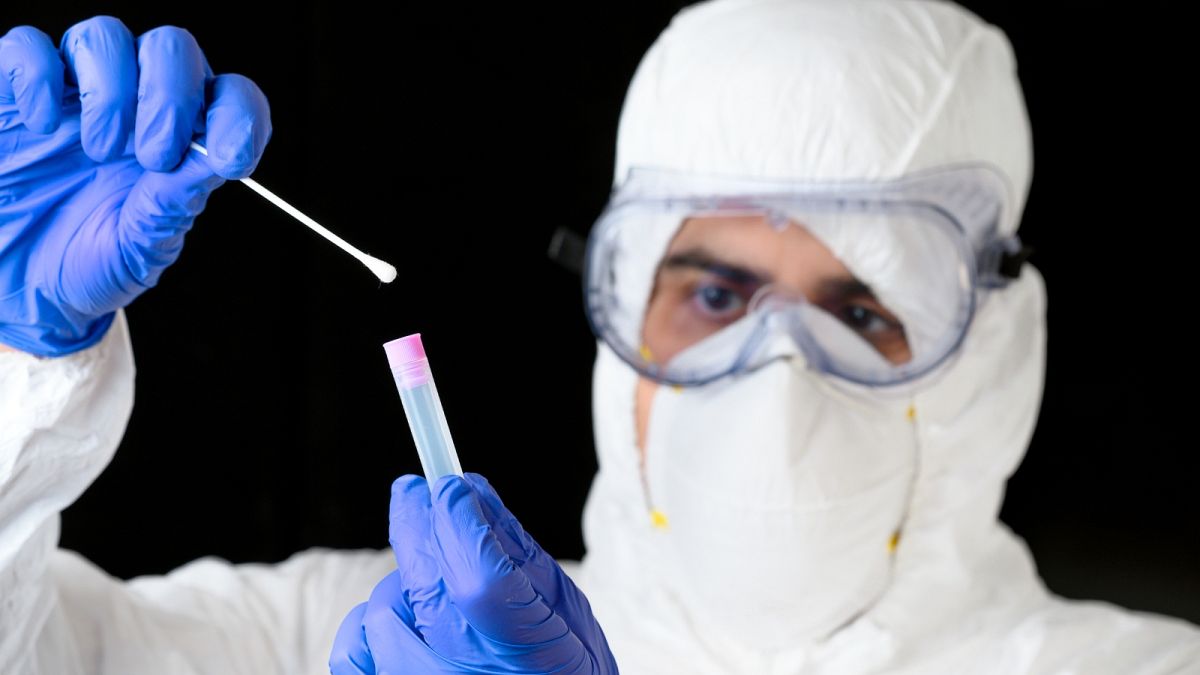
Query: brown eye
column 877, row 327
column 864, row 320
column 717, row 301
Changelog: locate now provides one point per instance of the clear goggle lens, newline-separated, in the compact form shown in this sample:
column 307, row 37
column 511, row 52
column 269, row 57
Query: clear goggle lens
column 688, row 289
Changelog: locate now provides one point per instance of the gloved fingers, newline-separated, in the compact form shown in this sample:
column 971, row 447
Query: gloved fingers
column 392, row 638
column 238, row 126
column 524, row 551
column 541, row 568
column 31, row 78
column 101, row 59
column 171, row 86
column 410, row 535
column 350, row 654
column 484, row 584
column 547, row 577
column 411, row 539
column 512, row 537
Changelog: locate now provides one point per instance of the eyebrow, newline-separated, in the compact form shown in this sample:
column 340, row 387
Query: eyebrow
column 846, row 287
column 698, row 258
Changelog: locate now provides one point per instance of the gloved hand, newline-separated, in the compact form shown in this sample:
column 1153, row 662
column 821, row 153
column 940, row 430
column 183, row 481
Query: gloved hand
column 97, row 184
column 473, row 593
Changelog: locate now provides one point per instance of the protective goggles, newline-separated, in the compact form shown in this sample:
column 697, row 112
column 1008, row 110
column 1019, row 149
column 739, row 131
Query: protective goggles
column 689, row 279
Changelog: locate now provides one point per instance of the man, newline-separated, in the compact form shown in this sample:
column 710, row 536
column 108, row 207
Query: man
column 811, row 246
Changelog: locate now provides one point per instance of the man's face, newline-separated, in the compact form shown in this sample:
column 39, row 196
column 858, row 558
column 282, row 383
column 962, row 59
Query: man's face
column 716, row 266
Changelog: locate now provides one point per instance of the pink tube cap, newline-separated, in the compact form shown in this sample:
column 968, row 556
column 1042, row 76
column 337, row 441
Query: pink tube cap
column 405, row 350
column 406, row 356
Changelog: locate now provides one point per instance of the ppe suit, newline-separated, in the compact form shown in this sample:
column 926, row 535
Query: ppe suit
column 60, row 422
column 837, row 91
column 817, row 91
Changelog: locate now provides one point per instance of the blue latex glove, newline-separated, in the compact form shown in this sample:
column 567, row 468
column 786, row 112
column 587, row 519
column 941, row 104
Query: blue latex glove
column 473, row 593
column 97, row 185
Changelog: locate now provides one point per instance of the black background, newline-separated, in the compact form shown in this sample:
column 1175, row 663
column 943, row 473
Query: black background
column 266, row 420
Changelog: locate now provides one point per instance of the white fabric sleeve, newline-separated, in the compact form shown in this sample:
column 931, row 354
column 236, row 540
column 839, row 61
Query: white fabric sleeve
column 210, row 616
column 60, row 423
column 1071, row 636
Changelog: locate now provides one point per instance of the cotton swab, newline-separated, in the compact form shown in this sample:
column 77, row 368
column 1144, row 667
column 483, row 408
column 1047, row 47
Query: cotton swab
column 381, row 269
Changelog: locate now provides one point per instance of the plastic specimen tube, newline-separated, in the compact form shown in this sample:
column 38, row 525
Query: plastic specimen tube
column 423, row 407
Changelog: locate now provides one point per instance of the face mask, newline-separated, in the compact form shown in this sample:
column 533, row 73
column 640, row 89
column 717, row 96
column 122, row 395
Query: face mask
column 782, row 497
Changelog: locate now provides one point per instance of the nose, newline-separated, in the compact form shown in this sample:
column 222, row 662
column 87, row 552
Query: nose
column 784, row 336
column 772, row 298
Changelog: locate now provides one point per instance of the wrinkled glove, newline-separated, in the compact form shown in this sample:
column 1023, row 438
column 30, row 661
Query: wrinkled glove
column 473, row 593
column 97, row 184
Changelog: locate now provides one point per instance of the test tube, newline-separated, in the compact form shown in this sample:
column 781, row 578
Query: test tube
column 423, row 407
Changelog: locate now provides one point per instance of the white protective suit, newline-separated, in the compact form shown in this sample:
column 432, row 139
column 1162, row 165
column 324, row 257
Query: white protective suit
column 826, row 91
column 60, row 422
column 814, row 90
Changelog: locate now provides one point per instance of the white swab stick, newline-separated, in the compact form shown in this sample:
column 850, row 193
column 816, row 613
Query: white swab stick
column 384, row 271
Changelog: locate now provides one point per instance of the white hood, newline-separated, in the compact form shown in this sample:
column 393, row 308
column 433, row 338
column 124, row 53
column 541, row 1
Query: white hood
column 843, row 90
column 827, row 90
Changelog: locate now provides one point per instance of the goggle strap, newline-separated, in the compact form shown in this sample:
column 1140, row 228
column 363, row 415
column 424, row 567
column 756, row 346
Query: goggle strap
column 1001, row 262
column 1011, row 263
column 568, row 249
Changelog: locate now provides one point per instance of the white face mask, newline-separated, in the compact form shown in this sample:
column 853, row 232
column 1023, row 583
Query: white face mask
column 782, row 495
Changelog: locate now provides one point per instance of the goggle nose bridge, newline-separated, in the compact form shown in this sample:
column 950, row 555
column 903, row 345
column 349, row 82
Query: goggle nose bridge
column 770, row 293
column 777, row 313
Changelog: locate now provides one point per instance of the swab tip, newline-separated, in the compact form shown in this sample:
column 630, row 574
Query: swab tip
column 385, row 272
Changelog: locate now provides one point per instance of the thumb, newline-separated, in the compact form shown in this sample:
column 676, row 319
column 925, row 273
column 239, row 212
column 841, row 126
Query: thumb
column 157, row 213
column 129, row 233
column 351, row 655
